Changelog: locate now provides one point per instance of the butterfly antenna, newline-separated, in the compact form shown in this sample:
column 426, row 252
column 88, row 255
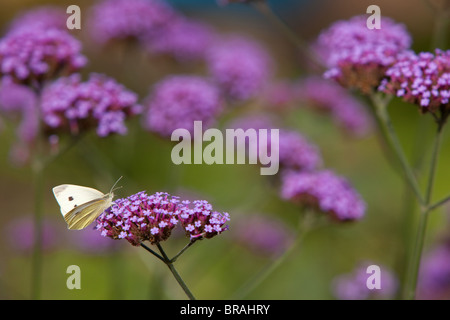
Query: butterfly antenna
column 112, row 189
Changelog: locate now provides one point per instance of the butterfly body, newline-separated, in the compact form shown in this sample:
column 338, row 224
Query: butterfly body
column 80, row 206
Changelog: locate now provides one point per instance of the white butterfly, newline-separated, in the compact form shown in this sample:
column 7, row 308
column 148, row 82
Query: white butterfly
column 80, row 206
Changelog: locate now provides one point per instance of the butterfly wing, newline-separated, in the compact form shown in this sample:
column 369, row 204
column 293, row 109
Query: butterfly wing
column 82, row 216
column 70, row 196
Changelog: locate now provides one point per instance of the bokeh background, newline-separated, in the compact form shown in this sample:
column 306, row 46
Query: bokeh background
column 216, row 268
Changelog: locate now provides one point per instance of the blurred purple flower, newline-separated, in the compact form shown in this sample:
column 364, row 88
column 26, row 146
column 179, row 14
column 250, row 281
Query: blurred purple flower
column 279, row 96
column 353, row 286
column 90, row 241
column 32, row 56
column 324, row 95
column 129, row 19
column 263, row 235
column 434, row 276
column 201, row 221
column 422, row 79
column 70, row 105
column 358, row 56
column 240, row 66
column 20, row 234
column 185, row 40
column 324, row 191
column 43, row 17
column 177, row 101
column 296, row 152
column 18, row 102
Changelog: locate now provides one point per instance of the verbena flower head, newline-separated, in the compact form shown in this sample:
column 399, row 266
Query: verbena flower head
column 71, row 105
column 185, row 40
column 434, row 276
column 240, row 66
column 323, row 191
column 357, row 56
column 199, row 220
column 141, row 217
column 32, row 56
column 422, row 79
column 43, row 17
column 177, row 101
column 353, row 285
column 263, row 235
column 128, row 19
column 324, row 95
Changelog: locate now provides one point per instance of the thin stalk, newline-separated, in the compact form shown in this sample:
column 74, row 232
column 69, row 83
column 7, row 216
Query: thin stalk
column 183, row 250
column 254, row 282
column 383, row 115
column 176, row 275
column 266, row 10
column 36, row 275
column 414, row 265
column 305, row 225
column 152, row 252
column 439, row 203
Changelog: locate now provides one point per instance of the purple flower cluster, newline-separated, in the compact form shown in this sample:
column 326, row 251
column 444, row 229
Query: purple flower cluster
column 128, row 19
column 177, row 101
column 34, row 55
column 201, row 221
column 240, row 66
column 325, row 191
column 353, row 286
column 324, row 95
column 142, row 217
column 357, row 56
column 43, row 17
column 263, row 235
column 184, row 39
column 422, row 79
column 296, row 152
column 434, row 277
column 70, row 105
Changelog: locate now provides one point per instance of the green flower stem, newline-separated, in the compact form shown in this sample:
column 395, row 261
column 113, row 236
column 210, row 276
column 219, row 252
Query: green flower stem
column 36, row 276
column 380, row 106
column 152, row 252
column 177, row 277
column 266, row 10
column 183, row 250
column 254, row 282
column 414, row 264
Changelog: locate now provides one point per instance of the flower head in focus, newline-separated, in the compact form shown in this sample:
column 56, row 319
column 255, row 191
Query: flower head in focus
column 32, row 56
column 202, row 221
column 323, row 191
column 240, row 66
column 179, row 100
column 141, row 217
column 70, row 105
column 422, row 79
column 357, row 57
